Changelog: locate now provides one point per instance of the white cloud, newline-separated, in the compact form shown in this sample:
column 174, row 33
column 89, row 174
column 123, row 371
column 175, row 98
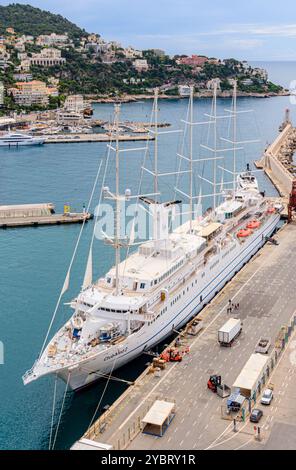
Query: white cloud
column 284, row 30
column 243, row 44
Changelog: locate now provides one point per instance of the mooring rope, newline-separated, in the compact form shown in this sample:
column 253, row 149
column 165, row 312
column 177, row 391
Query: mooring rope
column 53, row 410
column 102, row 396
column 62, row 407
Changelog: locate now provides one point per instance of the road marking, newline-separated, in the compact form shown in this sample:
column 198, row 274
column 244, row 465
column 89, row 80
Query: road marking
column 244, row 444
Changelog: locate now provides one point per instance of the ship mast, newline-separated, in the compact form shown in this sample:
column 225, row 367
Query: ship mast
column 156, row 142
column 191, row 158
column 117, row 201
column 215, row 144
column 234, row 134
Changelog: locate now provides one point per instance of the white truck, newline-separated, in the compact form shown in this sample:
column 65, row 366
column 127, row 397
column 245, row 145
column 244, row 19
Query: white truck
column 229, row 332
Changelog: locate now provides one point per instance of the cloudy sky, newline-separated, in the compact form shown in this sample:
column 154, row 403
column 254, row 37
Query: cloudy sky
column 253, row 30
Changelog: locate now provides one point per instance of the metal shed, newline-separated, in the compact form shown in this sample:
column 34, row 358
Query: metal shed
column 251, row 374
column 158, row 418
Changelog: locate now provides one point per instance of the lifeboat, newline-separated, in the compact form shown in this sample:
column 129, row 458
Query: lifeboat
column 253, row 224
column 244, row 232
column 271, row 210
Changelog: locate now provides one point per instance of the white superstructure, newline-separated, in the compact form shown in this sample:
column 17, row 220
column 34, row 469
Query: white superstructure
column 158, row 288
column 16, row 139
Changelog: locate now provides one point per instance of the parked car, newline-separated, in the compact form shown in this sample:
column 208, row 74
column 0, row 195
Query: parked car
column 256, row 415
column 267, row 397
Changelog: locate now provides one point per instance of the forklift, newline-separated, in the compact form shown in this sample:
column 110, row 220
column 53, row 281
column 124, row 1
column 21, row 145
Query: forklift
column 171, row 355
column 213, row 382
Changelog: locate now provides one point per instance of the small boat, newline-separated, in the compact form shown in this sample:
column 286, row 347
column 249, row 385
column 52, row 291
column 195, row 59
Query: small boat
column 253, row 224
column 18, row 139
column 246, row 180
column 244, row 232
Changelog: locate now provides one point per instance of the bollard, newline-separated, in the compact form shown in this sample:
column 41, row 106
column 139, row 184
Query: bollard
column 258, row 434
column 234, row 425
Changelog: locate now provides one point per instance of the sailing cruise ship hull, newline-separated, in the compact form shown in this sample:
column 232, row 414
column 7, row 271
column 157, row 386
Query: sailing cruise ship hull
column 195, row 294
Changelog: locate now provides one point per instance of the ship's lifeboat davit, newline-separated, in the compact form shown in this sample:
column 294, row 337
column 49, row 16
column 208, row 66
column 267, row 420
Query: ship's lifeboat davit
column 244, row 232
column 253, row 224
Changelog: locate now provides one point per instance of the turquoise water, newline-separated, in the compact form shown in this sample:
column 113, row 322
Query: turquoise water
column 33, row 262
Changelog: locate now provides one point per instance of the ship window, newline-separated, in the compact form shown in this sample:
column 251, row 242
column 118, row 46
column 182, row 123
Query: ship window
column 155, row 281
column 108, row 280
column 142, row 285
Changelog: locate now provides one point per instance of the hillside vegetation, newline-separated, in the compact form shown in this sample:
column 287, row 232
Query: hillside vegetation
column 26, row 19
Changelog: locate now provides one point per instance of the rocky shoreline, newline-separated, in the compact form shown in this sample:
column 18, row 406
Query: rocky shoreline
column 203, row 94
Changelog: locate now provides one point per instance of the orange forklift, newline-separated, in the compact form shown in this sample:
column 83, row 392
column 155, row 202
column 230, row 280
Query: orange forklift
column 171, row 355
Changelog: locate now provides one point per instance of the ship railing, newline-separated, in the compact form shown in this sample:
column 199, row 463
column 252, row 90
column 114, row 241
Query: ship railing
column 29, row 373
column 150, row 315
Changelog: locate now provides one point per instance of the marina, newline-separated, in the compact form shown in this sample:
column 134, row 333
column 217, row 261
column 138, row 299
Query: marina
column 158, row 288
column 147, row 233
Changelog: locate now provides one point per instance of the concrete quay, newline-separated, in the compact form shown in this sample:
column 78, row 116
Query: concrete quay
column 52, row 219
column 277, row 160
column 264, row 288
column 86, row 138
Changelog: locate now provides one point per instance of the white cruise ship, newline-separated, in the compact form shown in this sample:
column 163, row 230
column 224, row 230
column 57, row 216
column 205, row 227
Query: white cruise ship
column 161, row 286
column 17, row 139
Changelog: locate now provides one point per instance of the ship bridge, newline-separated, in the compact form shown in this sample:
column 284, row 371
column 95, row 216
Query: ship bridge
column 146, row 269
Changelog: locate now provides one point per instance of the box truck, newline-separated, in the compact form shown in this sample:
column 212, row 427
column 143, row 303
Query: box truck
column 229, row 332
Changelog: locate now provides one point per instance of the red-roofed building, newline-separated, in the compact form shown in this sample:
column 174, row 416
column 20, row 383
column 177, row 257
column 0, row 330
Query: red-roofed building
column 193, row 61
